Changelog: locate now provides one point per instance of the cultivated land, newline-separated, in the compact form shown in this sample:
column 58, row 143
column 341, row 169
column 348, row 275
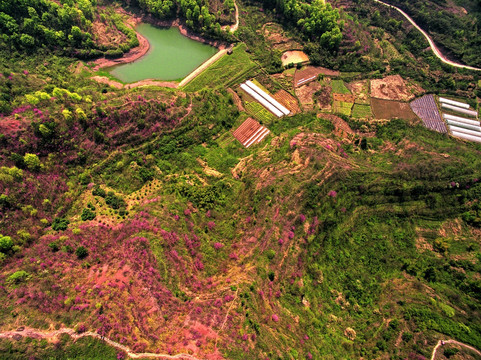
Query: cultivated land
column 193, row 223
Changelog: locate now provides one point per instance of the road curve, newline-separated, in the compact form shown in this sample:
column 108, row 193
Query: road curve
column 45, row 334
column 428, row 38
column 443, row 342
column 236, row 25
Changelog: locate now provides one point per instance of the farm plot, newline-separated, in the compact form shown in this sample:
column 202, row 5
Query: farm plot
column 361, row 111
column 250, row 132
column 259, row 112
column 387, row 110
column 342, row 107
column 324, row 99
column 227, row 70
column 425, row 107
column 289, row 101
column 343, row 97
column 339, row 87
column 306, row 75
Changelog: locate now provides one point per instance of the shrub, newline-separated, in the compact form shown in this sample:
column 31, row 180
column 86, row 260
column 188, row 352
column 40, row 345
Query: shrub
column 87, row 214
column 114, row 201
column 60, row 224
column 407, row 336
column 81, row 252
column 270, row 254
column 450, row 352
column 18, row 277
column 6, row 243
column 53, row 246
column 32, row 161
column 98, row 191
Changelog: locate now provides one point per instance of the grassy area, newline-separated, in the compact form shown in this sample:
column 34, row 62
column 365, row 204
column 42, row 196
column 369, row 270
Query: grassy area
column 342, row 107
column 389, row 51
column 339, row 87
column 225, row 71
column 361, row 111
column 86, row 348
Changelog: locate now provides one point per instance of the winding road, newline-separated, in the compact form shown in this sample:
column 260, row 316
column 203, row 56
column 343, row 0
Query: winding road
column 236, row 25
column 51, row 335
column 444, row 342
column 428, row 38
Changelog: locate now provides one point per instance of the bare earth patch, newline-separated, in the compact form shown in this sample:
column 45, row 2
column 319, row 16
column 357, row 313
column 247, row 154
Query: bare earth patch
column 392, row 87
column 305, row 94
column 293, row 57
column 360, row 89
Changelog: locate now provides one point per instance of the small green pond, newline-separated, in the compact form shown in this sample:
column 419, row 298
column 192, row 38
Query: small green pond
column 171, row 56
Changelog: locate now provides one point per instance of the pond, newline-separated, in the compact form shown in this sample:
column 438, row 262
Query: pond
column 171, row 56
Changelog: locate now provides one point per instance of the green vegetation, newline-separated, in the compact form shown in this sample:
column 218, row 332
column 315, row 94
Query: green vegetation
column 228, row 70
column 259, row 112
column 360, row 111
column 85, row 348
column 341, row 107
column 133, row 213
column 339, row 87
column 451, row 27
column 29, row 25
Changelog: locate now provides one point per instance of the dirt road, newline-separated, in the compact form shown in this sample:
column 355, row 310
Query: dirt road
column 431, row 42
column 443, row 342
column 236, row 25
column 52, row 335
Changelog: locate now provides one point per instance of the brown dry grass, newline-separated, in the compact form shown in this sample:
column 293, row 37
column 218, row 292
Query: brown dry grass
column 237, row 100
column 386, row 109
column 276, row 36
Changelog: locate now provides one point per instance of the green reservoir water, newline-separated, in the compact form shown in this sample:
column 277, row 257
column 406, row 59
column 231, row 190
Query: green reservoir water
column 171, row 56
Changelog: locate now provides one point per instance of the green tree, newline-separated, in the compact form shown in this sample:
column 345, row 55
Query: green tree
column 27, row 41
column 32, row 161
column 81, row 252
column 6, row 243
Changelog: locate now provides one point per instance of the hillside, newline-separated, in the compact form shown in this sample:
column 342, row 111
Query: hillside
column 137, row 220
